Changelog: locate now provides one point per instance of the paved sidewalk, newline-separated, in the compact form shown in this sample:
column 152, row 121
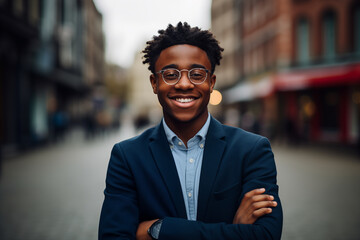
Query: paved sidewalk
column 320, row 192
column 56, row 193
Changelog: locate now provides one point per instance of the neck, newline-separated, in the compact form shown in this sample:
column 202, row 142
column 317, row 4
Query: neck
column 186, row 130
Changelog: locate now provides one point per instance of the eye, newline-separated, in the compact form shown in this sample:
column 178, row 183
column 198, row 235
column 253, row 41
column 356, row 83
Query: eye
column 197, row 74
column 171, row 74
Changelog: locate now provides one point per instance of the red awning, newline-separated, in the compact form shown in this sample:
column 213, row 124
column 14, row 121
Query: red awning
column 318, row 77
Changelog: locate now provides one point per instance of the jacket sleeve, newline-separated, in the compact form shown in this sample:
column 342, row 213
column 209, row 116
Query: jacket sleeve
column 259, row 171
column 120, row 213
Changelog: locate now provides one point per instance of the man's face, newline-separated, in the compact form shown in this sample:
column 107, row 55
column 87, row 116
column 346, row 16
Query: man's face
column 184, row 101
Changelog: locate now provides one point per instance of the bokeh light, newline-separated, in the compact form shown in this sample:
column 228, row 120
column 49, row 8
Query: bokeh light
column 215, row 97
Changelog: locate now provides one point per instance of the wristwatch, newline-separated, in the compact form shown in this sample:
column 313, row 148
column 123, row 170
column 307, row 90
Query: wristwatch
column 154, row 229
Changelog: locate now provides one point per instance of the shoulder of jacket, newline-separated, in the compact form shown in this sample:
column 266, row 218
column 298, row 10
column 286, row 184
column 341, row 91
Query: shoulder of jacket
column 239, row 133
column 139, row 139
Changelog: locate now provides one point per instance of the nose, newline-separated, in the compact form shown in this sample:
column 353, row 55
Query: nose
column 184, row 82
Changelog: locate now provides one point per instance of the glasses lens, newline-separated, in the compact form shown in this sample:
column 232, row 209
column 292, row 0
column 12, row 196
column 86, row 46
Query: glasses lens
column 171, row 76
column 197, row 75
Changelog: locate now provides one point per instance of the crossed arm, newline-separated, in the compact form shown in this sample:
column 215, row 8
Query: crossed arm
column 254, row 205
column 257, row 216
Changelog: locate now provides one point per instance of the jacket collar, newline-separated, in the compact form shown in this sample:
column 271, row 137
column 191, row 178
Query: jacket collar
column 214, row 148
column 165, row 162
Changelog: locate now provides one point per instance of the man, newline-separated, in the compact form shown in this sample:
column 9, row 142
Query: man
column 190, row 177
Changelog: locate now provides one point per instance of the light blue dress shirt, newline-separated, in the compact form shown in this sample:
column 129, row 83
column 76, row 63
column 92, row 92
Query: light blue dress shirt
column 188, row 164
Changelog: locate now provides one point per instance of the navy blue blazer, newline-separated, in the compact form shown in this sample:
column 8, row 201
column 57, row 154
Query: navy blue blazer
column 142, row 184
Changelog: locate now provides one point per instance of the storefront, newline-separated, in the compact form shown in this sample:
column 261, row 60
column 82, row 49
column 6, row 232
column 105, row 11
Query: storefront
column 321, row 104
column 314, row 104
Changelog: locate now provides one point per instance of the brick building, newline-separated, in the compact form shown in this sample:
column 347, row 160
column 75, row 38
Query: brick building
column 299, row 63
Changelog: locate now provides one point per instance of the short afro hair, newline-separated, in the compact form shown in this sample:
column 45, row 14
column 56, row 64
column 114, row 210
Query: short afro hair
column 182, row 34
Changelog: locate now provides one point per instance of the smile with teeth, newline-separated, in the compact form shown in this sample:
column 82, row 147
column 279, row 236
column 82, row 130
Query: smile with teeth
column 184, row 100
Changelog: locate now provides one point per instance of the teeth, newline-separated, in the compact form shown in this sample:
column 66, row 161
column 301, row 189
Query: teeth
column 184, row 100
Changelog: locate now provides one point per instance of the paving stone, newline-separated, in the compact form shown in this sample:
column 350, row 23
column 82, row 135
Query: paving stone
column 56, row 193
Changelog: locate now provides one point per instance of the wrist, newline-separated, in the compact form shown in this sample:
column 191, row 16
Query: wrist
column 154, row 229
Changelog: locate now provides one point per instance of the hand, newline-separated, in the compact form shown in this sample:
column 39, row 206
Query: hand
column 141, row 233
column 255, row 204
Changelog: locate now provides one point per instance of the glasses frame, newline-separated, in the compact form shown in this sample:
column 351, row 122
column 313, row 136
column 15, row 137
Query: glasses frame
column 188, row 70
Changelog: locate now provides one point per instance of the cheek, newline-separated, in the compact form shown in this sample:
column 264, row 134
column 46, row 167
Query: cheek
column 162, row 92
column 207, row 90
column 161, row 89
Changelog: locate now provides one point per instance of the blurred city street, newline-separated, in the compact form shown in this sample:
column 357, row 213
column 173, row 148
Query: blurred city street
column 56, row 192
column 319, row 190
column 74, row 80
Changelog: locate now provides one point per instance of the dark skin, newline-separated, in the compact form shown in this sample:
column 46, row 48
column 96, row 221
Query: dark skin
column 254, row 205
column 186, row 118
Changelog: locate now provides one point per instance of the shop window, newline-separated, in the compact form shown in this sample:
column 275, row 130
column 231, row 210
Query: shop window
column 330, row 110
column 329, row 35
column 303, row 43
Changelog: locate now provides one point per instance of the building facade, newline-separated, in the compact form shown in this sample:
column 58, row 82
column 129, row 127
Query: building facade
column 48, row 53
column 299, row 63
column 225, row 18
column 145, row 108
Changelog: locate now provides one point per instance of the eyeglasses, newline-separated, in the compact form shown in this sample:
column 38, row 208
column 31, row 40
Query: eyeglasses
column 171, row 76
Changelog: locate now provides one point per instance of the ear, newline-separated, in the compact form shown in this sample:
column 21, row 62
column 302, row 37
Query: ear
column 212, row 82
column 153, row 83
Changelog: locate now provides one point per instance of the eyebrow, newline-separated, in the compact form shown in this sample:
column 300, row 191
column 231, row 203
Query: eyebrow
column 170, row 66
column 197, row 66
column 176, row 66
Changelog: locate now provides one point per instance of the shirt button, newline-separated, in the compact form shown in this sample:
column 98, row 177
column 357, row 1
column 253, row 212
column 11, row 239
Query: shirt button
column 189, row 194
column 201, row 145
column 180, row 143
column 191, row 160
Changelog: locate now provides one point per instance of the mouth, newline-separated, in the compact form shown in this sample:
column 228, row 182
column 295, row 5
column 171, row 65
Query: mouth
column 184, row 100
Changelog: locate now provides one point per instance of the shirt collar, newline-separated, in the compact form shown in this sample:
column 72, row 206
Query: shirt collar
column 170, row 135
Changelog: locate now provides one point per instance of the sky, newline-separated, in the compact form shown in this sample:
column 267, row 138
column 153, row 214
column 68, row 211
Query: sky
column 128, row 24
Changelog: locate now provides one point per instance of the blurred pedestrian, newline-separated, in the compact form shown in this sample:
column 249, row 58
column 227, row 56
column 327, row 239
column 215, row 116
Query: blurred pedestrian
column 60, row 123
column 90, row 125
column 190, row 177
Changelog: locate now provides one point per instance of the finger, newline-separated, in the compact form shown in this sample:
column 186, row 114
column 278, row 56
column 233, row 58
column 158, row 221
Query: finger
column 263, row 204
column 261, row 212
column 259, row 205
column 262, row 197
column 251, row 197
column 247, row 202
column 254, row 192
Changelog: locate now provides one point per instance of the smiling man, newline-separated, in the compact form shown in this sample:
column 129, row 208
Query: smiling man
column 190, row 177
column 185, row 88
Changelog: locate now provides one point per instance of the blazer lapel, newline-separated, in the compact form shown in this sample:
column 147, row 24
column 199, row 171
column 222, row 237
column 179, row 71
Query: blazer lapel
column 214, row 148
column 164, row 160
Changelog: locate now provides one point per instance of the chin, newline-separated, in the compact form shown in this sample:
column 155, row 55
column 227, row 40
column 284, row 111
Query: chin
column 185, row 117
